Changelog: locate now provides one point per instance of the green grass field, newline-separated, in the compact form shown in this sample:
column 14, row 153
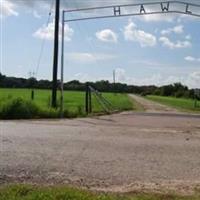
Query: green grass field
column 27, row 192
column 179, row 103
column 74, row 102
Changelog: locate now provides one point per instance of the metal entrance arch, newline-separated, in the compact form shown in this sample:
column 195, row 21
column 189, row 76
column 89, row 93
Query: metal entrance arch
column 149, row 8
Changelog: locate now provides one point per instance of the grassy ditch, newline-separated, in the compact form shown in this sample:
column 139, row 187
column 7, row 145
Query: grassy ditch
column 27, row 192
column 181, row 104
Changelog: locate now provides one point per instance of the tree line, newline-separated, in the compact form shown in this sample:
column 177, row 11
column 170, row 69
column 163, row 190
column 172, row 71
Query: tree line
column 176, row 89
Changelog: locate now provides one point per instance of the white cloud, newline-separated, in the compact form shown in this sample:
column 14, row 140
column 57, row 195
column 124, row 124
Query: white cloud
column 149, row 63
column 36, row 14
column 47, row 32
column 151, row 80
column 157, row 18
column 120, row 75
column 184, row 18
column 192, row 80
column 192, row 59
column 7, row 9
column 174, row 45
column 195, row 76
column 188, row 37
column 177, row 30
column 83, row 77
column 85, row 57
column 123, row 77
column 189, row 58
column 107, row 35
column 131, row 33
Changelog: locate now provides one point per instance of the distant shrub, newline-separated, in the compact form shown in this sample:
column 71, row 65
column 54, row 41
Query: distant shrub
column 179, row 94
column 70, row 114
column 9, row 96
column 49, row 113
column 157, row 92
column 80, row 110
column 74, row 112
column 19, row 109
column 145, row 93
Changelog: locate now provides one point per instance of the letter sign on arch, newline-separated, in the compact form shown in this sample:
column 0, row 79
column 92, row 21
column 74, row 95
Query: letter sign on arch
column 125, row 10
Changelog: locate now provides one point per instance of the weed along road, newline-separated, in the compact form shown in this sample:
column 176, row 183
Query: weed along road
column 120, row 152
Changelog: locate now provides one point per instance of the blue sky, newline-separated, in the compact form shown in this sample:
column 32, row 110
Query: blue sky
column 157, row 49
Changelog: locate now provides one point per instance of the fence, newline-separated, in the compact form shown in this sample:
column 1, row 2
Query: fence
column 102, row 101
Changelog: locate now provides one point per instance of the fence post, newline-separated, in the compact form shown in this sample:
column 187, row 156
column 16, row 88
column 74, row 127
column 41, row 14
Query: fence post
column 90, row 100
column 195, row 101
column 86, row 98
column 32, row 94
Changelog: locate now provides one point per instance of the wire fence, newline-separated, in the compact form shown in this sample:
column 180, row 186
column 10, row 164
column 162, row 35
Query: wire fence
column 106, row 105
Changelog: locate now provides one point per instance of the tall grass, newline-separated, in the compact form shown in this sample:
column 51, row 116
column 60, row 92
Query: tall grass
column 17, row 104
column 28, row 192
column 19, row 108
column 182, row 104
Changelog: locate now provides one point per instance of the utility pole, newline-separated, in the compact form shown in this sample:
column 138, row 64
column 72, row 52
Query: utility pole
column 114, row 76
column 55, row 57
column 32, row 80
column 114, row 80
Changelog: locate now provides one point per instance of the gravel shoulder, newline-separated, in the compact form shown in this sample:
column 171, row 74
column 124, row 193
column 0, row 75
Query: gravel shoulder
column 121, row 152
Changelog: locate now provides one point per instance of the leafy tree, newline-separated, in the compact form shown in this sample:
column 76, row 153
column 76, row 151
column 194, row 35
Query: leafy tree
column 176, row 89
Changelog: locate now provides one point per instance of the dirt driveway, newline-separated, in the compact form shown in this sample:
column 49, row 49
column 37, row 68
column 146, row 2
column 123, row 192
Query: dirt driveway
column 151, row 106
column 120, row 152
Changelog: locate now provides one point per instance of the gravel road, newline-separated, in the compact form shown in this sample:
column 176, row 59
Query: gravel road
column 120, row 152
column 151, row 106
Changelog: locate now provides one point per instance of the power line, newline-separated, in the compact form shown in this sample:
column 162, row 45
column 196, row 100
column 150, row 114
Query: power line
column 91, row 42
column 43, row 40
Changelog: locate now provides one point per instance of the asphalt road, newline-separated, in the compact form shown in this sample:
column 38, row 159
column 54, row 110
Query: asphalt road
column 120, row 152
